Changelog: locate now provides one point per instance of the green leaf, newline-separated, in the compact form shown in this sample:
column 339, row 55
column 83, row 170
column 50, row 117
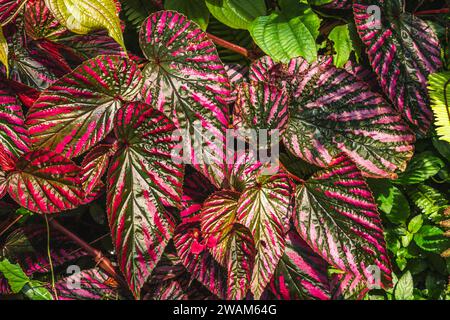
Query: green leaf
column 4, row 51
column 429, row 200
column 19, row 282
column 195, row 10
column 136, row 11
column 284, row 36
column 390, row 200
column 439, row 90
column 343, row 45
column 237, row 14
column 84, row 16
column 422, row 167
column 415, row 224
column 431, row 238
column 405, row 287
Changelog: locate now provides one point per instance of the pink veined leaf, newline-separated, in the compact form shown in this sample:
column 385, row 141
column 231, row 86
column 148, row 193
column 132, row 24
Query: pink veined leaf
column 3, row 183
column 233, row 247
column 25, row 247
column 45, row 182
column 261, row 106
column 94, row 166
column 364, row 74
column 347, row 286
column 301, row 274
column 332, row 112
column 14, row 139
column 94, row 284
column 237, row 74
column 77, row 111
column 265, row 209
column 191, row 87
column 27, row 95
column 142, row 180
column 403, row 50
column 201, row 265
column 337, row 216
column 40, row 23
column 9, row 9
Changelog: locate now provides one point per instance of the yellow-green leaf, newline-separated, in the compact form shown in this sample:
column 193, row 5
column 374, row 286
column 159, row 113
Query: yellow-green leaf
column 4, row 51
column 439, row 89
column 84, row 16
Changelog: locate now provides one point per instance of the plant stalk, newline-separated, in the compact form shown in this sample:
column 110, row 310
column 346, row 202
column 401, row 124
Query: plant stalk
column 10, row 225
column 431, row 12
column 228, row 45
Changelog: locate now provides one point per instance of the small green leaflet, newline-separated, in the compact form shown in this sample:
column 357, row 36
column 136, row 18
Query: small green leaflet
column 237, row 14
column 423, row 166
column 404, row 288
column 84, row 16
column 19, row 282
column 195, row 10
column 284, row 36
column 343, row 46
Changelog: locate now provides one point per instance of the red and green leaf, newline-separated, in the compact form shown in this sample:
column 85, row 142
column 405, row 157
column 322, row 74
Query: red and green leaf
column 301, row 274
column 186, row 80
column 142, row 180
column 14, row 140
column 94, row 166
column 233, row 246
column 332, row 112
column 9, row 9
column 78, row 111
column 40, row 23
column 337, row 216
column 265, row 209
column 403, row 50
column 45, row 182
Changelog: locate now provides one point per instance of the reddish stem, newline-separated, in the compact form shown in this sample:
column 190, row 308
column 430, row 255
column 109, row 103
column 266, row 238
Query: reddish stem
column 291, row 175
column 430, row 12
column 102, row 261
column 229, row 45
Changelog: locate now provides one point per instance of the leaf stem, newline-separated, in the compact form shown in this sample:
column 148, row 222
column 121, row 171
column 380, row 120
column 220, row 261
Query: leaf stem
column 11, row 224
column 102, row 261
column 228, row 45
column 431, row 12
column 52, row 271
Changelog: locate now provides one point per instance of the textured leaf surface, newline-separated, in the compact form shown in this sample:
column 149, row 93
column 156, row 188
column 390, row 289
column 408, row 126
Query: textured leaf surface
column 342, row 45
column 40, row 23
column 14, row 140
column 439, row 89
column 83, row 16
column 94, row 166
column 4, row 51
column 78, row 110
column 337, row 216
column 261, row 106
column 429, row 200
column 200, row 263
column 301, row 273
column 333, row 112
column 265, row 209
column 187, row 81
column 142, row 178
column 45, row 182
column 195, row 10
column 286, row 34
column 9, row 9
column 422, row 167
column 234, row 246
column 403, row 50
column 236, row 14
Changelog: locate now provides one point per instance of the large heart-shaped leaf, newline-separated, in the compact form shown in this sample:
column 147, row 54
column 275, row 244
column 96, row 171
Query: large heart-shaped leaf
column 45, row 182
column 301, row 273
column 260, row 106
column 333, row 112
column 234, row 246
column 403, row 50
column 187, row 81
column 337, row 216
column 142, row 179
column 78, row 110
column 265, row 209
column 14, row 140
column 199, row 262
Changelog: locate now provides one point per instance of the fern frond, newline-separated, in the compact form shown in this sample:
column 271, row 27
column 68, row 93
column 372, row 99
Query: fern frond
column 439, row 90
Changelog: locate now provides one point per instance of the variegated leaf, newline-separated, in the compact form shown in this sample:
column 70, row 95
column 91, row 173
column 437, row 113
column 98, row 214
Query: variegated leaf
column 40, row 23
column 233, row 245
column 333, row 112
column 265, row 209
column 403, row 50
column 45, row 182
column 347, row 286
column 337, row 216
column 301, row 273
column 142, row 180
column 94, row 166
column 9, row 9
column 77, row 111
column 186, row 80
